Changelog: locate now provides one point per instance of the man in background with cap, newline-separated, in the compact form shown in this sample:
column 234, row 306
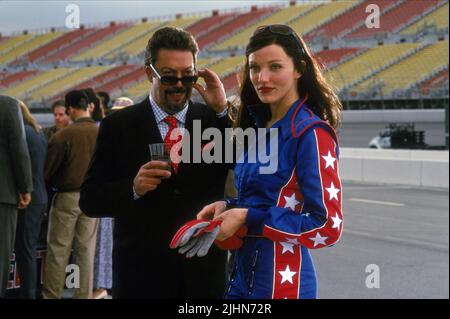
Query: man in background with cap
column 69, row 153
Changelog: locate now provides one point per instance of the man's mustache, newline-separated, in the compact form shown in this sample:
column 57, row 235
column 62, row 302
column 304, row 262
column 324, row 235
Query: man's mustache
column 177, row 90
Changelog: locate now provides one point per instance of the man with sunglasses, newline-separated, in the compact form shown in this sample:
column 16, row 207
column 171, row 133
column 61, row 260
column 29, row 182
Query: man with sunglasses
column 150, row 202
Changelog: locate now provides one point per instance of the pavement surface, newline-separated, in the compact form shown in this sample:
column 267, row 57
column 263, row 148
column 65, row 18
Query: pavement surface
column 400, row 233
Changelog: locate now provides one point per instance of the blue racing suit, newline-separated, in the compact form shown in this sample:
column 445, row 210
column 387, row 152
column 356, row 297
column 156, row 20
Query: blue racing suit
column 297, row 208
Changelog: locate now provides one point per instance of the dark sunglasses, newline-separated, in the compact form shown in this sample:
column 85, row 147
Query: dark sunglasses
column 188, row 80
column 281, row 29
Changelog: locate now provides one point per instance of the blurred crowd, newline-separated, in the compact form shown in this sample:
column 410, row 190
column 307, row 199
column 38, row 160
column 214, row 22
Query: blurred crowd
column 48, row 212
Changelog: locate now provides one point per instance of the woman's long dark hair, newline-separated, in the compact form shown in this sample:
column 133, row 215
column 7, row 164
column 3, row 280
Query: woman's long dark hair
column 322, row 99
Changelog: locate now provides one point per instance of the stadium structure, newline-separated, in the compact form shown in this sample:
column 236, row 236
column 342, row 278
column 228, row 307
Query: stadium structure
column 402, row 63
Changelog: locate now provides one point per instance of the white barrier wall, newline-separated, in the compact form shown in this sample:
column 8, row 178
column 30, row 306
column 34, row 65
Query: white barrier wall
column 393, row 116
column 399, row 167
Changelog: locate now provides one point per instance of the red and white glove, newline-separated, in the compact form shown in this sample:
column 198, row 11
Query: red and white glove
column 197, row 236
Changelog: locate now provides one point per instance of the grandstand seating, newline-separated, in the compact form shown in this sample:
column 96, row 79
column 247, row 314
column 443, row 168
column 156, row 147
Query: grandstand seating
column 330, row 57
column 28, row 46
column 230, row 82
column 405, row 73
column 125, row 80
column 320, row 15
column 437, row 18
column 120, row 39
column 11, row 43
column 353, row 61
column 228, row 64
column 22, row 90
column 241, row 38
column 232, row 26
column 368, row 62
column 13, row 78
column 138, row 45
column 440, row 79
column 348, row 20
column 71, row 79
column 57, row 44
column 96, row 81
column 210, row 23
column 223, row 67
column 84, row 43
column 106, row 77
column 137, row 90
column 394, row 19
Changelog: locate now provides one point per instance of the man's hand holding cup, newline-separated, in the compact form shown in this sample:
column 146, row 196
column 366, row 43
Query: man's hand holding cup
column 149, row 176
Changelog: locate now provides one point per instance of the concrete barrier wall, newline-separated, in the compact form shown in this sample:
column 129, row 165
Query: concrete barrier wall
column 396, row 167
column 349, row 116
column 391, row 116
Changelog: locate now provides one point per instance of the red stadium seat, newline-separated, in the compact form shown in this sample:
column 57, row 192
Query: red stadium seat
column 394, row 19
column 84, row 43
column 11, row 78
column 232, row 26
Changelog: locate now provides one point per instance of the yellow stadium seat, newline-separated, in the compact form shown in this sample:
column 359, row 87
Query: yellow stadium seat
column 408, row 71
column 116, row 41
column 28, row 46
column 438, row 18
column 320, row 15
column 10, row 44
column 282, row 16
column 137, row 90
column 362, row 65
column 138, row 45
column 21, row 90
column 71, row 80
column 224, row 66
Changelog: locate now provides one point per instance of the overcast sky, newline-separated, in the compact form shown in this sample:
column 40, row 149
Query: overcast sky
column 20, row 15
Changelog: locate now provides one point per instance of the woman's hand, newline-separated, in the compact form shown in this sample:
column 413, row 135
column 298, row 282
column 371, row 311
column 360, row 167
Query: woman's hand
column 232, row 220
column 212, row 210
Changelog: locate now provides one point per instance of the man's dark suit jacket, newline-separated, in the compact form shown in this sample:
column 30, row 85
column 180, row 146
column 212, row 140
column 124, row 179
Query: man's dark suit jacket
column 37, row 147
column 15, row 164
column 144, row 265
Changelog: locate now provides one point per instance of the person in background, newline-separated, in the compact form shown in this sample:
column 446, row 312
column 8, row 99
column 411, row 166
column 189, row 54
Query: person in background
column 104, row 101
column 62, row 120
column 29, row 218
column 16, row 182
column 121, row 102
column 94, row 107
column 104, row 245
column 68, row 156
